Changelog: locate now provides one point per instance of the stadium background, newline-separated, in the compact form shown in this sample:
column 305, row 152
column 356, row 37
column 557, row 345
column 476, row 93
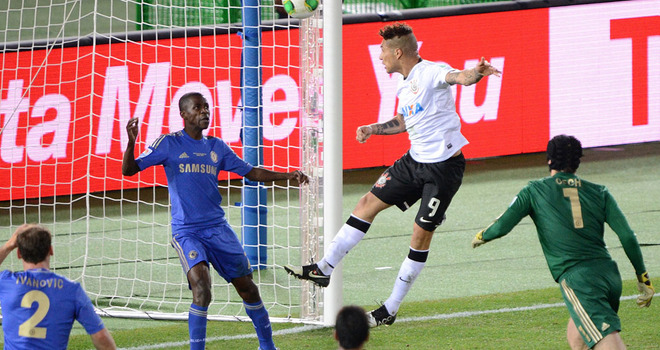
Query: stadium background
column 539, row 80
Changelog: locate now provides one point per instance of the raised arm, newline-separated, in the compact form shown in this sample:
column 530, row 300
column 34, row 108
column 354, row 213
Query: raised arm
column 396, row 125
column 11, row 243
column 265, row 175
column 472, row 75
column 128, row 165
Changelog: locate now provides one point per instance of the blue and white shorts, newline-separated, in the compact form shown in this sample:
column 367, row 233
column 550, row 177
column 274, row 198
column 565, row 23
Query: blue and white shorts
column 217, row 245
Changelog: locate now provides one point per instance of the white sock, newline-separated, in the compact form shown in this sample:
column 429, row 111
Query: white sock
column 348, row 237
column 408, row 273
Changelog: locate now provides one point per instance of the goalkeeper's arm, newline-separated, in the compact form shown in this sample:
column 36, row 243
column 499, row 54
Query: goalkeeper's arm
column 518, row 209
column 646, row 289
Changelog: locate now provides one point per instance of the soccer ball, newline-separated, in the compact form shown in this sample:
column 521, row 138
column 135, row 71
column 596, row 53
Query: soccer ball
column 300, row 8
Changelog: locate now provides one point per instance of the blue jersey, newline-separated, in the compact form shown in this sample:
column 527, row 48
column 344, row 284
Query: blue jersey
column 39, row 307
column 192, row 168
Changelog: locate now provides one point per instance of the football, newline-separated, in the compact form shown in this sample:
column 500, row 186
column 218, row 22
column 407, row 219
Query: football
column 300, row 8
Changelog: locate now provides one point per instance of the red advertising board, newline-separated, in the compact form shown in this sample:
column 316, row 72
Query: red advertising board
column 501, row 116
column 63, row 111
column 66, row 133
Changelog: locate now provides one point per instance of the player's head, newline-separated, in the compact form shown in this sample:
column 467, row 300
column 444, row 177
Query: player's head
column 352, row 327
column 398, row 41
column 564, row 153
column 34, row 244
column 194, row 109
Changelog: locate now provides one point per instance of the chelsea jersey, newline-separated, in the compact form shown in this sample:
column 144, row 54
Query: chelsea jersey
column 192, row 167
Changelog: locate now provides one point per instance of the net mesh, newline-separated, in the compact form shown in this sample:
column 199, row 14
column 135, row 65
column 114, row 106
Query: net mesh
column 74, row 72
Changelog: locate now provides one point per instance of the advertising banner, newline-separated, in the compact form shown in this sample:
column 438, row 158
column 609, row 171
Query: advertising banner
column 592, row 71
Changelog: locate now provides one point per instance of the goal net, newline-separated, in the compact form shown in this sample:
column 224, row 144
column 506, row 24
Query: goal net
column 74, row 72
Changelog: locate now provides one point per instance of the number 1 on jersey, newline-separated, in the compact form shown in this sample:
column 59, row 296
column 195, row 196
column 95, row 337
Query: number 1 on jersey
column 576, row 209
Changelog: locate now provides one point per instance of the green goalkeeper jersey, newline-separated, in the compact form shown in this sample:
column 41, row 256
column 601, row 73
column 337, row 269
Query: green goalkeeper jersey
column 569, row 214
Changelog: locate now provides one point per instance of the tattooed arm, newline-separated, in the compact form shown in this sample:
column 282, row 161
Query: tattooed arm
column 473, row 75
column 395, row 126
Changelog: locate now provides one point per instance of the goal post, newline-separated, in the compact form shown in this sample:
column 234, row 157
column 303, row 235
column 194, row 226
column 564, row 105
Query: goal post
column 333, row 161
column 74, row 72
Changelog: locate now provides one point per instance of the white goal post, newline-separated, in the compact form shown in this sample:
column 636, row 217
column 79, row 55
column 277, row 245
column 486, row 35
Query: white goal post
column 73, row 72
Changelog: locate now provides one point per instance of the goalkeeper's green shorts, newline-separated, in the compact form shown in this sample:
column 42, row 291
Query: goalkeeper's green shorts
column 591, row 292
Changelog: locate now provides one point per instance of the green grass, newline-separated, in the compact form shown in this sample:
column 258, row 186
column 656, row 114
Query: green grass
column 542, row 328
column 507, row 273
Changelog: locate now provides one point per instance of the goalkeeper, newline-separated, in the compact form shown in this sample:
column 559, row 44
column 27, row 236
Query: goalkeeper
column 569, row 214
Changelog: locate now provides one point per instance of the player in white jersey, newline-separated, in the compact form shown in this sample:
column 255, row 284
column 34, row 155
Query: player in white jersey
column 432, row 170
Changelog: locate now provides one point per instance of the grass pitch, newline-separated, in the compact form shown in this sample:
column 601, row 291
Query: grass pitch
column 500, row 296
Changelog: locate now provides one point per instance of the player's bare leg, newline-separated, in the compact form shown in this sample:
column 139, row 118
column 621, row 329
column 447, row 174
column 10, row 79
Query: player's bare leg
column 247, row 290
column 611, row 341
column 421, row 239
column 369, row 206
column 574, row 338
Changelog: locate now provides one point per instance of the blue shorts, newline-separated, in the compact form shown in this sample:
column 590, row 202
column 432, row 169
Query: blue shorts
column 217, row 245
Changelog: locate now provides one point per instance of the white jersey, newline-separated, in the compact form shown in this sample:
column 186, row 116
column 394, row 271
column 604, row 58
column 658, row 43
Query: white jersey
column 428, row 108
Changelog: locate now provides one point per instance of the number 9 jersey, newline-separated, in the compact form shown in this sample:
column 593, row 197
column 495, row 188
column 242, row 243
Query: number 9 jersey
column 39, row 307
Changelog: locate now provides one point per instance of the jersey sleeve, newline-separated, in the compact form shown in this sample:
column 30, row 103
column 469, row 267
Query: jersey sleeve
column 440, row 74
column 85, row 313
column 155, row 154
column 4, row 275
column 517, row 210
column 617, row 221
column 230, row 161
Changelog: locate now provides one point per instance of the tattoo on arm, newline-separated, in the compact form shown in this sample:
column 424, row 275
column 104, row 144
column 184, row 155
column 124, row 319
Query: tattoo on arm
column 389, row 128
column 464, row 77
column 473, row 76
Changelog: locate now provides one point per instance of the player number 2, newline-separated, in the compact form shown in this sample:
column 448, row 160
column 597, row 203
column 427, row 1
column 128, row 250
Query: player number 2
column 29, row 328
column 576, row 209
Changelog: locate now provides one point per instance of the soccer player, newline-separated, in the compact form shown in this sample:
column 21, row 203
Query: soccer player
column 351, row 328
column 432, row 170
column 569, row 214
column 38, row 305
column 200, row 232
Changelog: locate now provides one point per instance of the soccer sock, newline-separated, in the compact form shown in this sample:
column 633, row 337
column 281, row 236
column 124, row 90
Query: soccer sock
column 350, row 234
column 197, row 327
column 410, row 269
column 261, row 322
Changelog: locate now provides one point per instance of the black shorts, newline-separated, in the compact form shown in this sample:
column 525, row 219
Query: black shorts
column 407, row 180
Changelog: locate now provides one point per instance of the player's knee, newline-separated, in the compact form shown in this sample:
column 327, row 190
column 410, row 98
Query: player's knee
column 201, row 290
column 201, row 295
column 363, row 202
column 368, row 207
column 248, row 291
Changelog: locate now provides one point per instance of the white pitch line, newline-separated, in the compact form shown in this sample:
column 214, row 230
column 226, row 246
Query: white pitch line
column 408, row 319
column 227, row 337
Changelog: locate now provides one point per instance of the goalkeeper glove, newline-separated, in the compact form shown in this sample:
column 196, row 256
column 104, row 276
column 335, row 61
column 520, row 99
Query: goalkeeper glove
column 646, row 288
column 478, row 239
